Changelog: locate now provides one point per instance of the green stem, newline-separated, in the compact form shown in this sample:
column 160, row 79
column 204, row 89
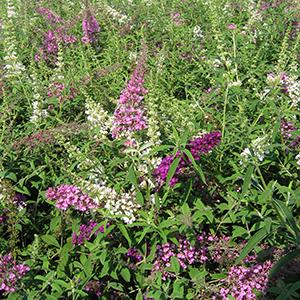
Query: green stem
column 224, row 113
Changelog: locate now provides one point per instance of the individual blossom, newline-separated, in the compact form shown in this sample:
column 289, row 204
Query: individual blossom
column 85, row 232
column 90, row 28
column 67, row 196
column 129, row 115
column 10, row 273
column 242, row 281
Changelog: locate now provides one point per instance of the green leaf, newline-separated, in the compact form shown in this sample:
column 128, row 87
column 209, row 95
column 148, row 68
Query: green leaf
column 132, row 177
column 197, row 274
column 50, row 240
column 283, row 261
column 247, row 180
column 172, row 170
column 218, row 276
column 9, row 175
column 178, row 289
column 175, row 265
column 286, row 216
column 253, row 241
column 125, row 274
column 195, row 165
column 239, row 231
column 116, row 286
column 105, row 269
column 125, row 233
column 139, row 296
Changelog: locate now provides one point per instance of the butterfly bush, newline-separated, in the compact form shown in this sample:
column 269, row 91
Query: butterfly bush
column 13, row 67
column 289, row 85
column 11, row 273
column 129, row 115
column 242, row 281
column 198, row 147
column 287, row 129
column 257, row 150
column 185, row 253
column 85, row 232
column 121, row 18
column 122, row 205
column 67, row 196
column 98, row 119
column 51, row 17
column 90, row 28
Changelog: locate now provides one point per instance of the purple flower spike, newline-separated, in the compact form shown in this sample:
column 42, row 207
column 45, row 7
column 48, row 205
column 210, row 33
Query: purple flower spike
column 198, row 147
column 90, row 28
column 129, row 115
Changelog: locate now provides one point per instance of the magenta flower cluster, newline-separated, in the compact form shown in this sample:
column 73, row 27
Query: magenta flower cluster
column 94, row 287
column 185, row 253
column 90, row 28
column 242, row 281
column 49, row 49
column 287, row 129
column 10, row 273
column 67, row 196
column 129, row 116
column 197, row 147
column 85, row 232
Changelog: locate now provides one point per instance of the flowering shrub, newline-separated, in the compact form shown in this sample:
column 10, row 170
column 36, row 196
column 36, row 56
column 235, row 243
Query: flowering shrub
column 149, row 150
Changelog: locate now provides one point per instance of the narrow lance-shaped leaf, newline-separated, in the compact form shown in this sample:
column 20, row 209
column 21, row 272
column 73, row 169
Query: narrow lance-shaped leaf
column 253, row 241
column 196, row 167
column 172, row 169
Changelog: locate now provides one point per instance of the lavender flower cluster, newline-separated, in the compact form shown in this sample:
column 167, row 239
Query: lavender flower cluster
column 70, row 195
column 10, row 273
column 85, row 232
column 129, row 113
column 198, row 147
column 242, row 281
